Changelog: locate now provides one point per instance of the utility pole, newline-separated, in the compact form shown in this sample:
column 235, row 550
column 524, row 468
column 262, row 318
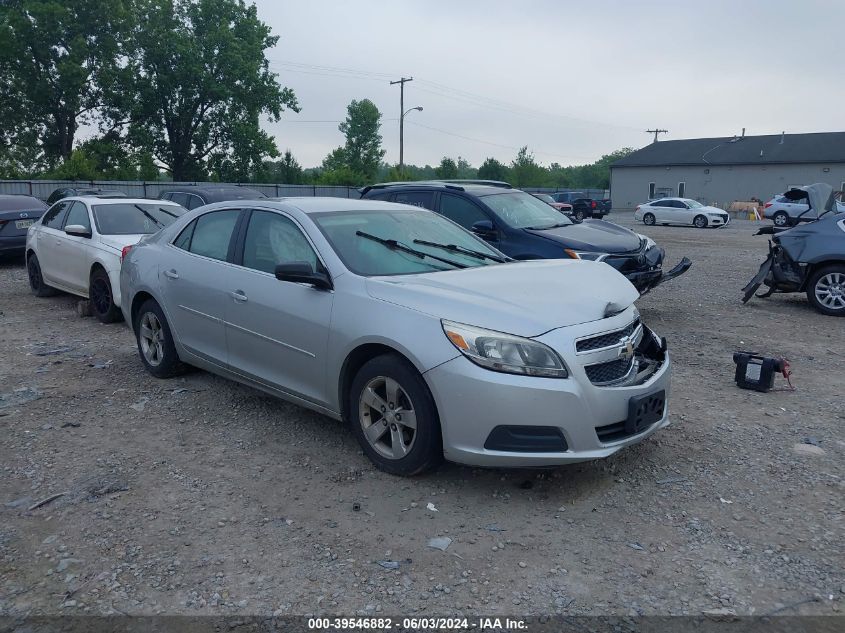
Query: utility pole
column 401, row 83
column 656, row 132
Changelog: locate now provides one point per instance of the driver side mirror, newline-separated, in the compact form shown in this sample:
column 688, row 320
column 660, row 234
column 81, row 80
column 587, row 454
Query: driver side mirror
column 303, row 273
column 484, row 229
column 78, row 230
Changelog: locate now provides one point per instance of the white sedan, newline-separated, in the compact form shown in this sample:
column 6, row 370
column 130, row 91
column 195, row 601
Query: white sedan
column 681, row 211
column 78, row 244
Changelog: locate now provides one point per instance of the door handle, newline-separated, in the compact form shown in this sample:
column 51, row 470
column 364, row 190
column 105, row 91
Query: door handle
column 239, row 296
column 172, row 274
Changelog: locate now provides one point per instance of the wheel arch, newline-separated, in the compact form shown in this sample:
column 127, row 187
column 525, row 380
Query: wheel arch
column 137, row 301
column 815, row 266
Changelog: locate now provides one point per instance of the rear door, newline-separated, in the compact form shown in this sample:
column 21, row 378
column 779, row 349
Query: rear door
column 194, row 276
column 424, row 199
column 277, row 331
column 660, row 210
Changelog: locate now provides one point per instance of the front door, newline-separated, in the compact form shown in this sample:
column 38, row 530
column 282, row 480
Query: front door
column 194, row 274
column 75, row 251
column 278, row 331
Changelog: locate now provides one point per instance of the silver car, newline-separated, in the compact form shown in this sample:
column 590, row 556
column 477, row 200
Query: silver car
column 785, row 212
column 428, row 341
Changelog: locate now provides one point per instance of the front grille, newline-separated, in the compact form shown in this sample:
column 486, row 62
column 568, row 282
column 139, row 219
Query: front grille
column 626, row 263
column 606, row 340
column 610, row 371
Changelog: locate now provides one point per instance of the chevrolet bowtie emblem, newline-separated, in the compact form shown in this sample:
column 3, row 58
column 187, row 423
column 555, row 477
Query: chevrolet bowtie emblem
column 627, row 351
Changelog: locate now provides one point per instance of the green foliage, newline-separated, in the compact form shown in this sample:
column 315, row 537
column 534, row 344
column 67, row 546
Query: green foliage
column 525, row 172
column 342, row 175
column 54, row 59
column 448, row 169
column 78, row 166
column 491, row 169
column 195, row 85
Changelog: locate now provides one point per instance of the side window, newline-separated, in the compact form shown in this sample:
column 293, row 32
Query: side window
column 193, row 202
column 460, row 210
column 660, row 203
column 78, row 214
column 424, row 199
column 212, row 234
column 273, row 239
column 56, row 215
column 166, row 196
column 179, row 198
column 184, row 239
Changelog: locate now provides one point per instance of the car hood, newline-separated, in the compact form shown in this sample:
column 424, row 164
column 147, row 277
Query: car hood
column 521, row 298
column 117, row 242
column 592, row 235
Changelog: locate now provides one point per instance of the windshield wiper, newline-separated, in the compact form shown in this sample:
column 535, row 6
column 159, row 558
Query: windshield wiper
column 141, row 209
column 398, row 246
column 454, row 248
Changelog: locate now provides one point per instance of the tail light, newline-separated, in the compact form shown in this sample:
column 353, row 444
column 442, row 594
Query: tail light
column 767, row 205
column 593, row 204
column 124, row 253
column 637, row 209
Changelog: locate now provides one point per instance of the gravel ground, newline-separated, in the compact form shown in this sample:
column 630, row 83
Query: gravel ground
column 200, row 496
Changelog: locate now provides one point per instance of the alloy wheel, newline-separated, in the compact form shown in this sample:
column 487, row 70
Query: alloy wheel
column 830, row 291
column 387, row 417
column 101, row 295
column 151, row 336
column 700, row 221
column 780, row 219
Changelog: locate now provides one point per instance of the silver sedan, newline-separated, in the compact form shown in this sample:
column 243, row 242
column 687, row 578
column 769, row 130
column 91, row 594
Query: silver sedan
column 428, row 341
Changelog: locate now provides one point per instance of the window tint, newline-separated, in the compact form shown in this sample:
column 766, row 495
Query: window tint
column 78, row 214
column 134, row 218
column 54, row 217
column 273, row 239
column 194, row 201
column 180, row 198
column 165, row 196
column 660, row 203
column 212, row 234
column 184, row 239
column 424, row 199
column 460, row 210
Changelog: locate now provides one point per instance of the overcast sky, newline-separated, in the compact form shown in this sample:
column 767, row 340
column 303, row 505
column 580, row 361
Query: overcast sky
column 572, row 80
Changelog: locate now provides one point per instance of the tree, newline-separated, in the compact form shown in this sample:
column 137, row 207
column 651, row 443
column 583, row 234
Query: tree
column 362, row 152
column 448, row 169
column 55, row 58
column 196, row 83
column 78, row 166
column 491, row 169
column 525, row 172
column 288, row 170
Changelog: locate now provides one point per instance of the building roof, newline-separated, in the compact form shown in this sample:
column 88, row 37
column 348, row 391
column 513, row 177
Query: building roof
column 770, row 149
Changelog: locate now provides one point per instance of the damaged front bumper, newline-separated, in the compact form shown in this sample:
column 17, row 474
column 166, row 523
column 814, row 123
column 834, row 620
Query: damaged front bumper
column 646, row 281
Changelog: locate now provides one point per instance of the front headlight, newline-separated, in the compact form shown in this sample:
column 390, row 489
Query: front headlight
column 588, row 255
column 505, row 352
column 648, row 241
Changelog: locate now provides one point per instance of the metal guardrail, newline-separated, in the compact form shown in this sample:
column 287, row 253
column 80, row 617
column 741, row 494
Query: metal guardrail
column 151, row 189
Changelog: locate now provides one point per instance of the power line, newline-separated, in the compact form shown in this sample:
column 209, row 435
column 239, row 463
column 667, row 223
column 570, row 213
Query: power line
column 656, row 132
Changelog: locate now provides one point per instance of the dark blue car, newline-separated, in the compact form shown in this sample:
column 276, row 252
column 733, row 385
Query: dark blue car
column 523, row 227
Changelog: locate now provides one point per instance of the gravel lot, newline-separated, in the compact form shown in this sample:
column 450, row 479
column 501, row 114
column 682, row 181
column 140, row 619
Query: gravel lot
column 199, row 496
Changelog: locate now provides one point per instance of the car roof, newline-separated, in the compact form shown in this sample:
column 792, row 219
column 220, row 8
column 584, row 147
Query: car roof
column 209, row 189
column 476, row 187
column 319, row 204
column 107, row 201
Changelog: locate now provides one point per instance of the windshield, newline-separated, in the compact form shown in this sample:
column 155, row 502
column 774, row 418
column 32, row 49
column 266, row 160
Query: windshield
column 521, row 210
column 134, row 218
column 365, row 256
column 692, row 204
column 544, row 197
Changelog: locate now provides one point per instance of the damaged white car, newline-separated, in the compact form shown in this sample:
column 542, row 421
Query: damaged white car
column 427, row 340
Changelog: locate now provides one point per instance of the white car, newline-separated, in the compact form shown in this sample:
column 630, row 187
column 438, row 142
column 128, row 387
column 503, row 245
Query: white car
column 78, row 244
column 681, row 211
column 785, row 212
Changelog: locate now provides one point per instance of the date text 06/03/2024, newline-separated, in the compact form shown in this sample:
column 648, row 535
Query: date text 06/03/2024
column 417, row 623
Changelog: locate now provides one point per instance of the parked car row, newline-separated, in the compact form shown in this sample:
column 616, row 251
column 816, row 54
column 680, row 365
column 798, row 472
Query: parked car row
column 428, row 339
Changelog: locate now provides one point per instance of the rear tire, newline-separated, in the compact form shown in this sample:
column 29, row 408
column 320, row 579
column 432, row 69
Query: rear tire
column 826, row 290
column 699, row 222
column 386, row 395
column 649, row 219
column 781, row 218
column 101, row 297
column 36, row 279
column 155, row 342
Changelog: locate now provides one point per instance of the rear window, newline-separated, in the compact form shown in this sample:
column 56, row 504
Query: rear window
column 134, row 218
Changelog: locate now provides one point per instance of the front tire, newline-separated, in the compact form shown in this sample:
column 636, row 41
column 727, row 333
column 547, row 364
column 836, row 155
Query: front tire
column 649, row 219
column 826, row 290
column 699, row 222
column 579, row 216
column 36, row 279
column 155, row 342
column 101, row 297
column 394, row 418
